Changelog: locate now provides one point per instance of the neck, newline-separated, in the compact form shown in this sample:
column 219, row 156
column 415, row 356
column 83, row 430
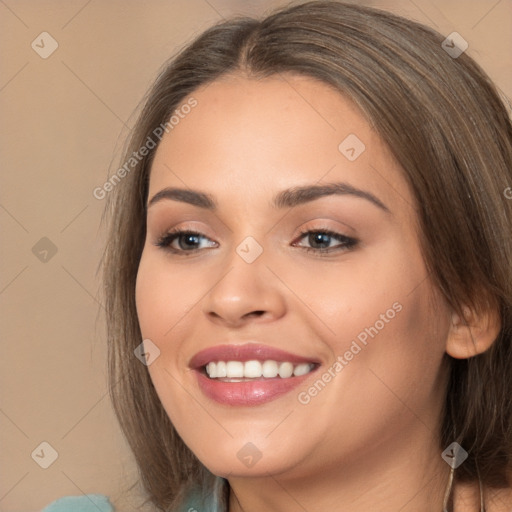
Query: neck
column 409, row 476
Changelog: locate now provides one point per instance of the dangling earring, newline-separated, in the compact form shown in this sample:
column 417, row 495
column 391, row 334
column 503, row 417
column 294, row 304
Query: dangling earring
column 482, row 508
column 448, row 491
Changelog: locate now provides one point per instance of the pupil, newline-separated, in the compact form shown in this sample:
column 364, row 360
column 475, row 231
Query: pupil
column 189, row 239
column 319, row 238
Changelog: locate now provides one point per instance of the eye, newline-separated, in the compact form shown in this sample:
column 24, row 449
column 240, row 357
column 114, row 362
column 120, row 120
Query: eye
column 321, row 241
column 184, row 241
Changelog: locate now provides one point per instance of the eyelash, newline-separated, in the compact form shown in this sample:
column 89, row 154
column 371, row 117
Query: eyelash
column 347, row 243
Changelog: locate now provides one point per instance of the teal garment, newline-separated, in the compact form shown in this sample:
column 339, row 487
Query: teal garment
column 100, row 503
column 195, row 502
column 198, row 502
column 85, row 503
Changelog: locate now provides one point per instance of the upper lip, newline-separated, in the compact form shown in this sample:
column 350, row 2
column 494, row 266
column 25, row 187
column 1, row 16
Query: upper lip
column 245, row 352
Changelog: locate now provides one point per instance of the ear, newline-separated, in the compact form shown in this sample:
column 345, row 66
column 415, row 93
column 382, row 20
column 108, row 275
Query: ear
column 473, row 334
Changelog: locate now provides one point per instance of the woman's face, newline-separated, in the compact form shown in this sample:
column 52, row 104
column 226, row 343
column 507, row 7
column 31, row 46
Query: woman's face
column 305, row 261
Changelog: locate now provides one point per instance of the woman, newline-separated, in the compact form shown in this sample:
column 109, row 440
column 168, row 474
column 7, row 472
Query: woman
column 308, row 271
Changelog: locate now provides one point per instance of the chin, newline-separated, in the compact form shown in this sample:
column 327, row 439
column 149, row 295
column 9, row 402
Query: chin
column 245, row 459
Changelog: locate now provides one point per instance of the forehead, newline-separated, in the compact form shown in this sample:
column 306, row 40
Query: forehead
column 272, row 133
column 277, row 114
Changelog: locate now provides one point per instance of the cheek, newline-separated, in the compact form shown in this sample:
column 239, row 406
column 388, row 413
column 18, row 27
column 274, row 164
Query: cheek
column 163, row 300
column 361, row 291
column 391, row 346
column 375, row 312
column 164, row 297
column 162, row 303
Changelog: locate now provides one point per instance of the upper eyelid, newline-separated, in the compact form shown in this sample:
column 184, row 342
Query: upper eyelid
column 188, row 225
column 302, row 232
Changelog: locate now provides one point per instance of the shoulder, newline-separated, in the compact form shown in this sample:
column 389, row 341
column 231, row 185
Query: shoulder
column 84, row 503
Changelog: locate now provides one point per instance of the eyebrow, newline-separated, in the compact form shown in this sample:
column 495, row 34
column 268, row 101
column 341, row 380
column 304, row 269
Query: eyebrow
column 285, row 199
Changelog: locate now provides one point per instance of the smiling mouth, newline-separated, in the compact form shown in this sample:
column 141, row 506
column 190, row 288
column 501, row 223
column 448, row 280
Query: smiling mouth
column 250, row 374
column 241, row 371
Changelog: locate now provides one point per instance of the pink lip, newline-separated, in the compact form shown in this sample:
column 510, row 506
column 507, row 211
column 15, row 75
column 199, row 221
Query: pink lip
column 248, row 393
column 247, row 352
column 251, row 392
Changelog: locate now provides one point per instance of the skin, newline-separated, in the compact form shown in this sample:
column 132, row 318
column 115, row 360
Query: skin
column 370, row 437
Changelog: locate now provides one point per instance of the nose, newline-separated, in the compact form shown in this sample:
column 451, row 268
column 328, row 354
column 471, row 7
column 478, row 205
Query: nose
column 247, row 292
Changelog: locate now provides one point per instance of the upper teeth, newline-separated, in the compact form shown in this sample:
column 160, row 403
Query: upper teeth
column 255, row 369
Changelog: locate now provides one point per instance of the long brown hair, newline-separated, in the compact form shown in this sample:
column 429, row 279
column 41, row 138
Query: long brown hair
column 445, row 124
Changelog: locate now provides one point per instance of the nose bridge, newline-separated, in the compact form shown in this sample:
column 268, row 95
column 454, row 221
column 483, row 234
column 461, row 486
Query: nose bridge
column 246, row 288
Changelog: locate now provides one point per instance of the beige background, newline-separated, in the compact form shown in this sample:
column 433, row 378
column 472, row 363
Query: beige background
column 62, row 122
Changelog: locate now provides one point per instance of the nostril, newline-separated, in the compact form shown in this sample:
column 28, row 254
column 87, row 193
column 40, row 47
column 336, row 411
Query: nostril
column 255, row 313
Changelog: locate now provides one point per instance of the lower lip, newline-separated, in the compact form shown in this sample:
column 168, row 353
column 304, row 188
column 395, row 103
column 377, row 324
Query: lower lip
column 248, row 393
